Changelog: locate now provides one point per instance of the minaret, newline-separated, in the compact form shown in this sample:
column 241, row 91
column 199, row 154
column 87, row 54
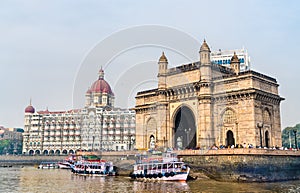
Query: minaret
column 235, row 64
column 206, row 131
column 162, row 71
column 162, row 105
column 205, row 63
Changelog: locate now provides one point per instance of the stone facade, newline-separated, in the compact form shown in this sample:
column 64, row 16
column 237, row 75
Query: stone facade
column 202, row 104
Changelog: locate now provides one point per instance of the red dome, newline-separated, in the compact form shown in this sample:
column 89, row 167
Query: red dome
column 100, row 85
column 29, row 109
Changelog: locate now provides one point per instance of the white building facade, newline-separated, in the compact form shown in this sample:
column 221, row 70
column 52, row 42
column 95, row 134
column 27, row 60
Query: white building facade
column 223, row 57
column 96, row 127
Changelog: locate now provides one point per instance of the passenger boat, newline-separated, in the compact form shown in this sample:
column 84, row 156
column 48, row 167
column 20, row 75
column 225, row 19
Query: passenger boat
column 67, row 163
column 166, row 168
column 47, row 165
column 89, row 163
column 99, row 168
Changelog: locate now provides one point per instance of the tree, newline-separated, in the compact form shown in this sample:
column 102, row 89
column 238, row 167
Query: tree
column 10, row 147
column 4, row 146
column 288, row 136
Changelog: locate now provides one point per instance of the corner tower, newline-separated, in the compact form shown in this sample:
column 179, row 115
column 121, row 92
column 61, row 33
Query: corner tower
column 206, row 133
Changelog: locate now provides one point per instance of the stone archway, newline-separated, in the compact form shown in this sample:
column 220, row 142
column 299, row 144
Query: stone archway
column 65, row 152
column 51, row 152
column 31, row 152
column 185, row 129
column 57, row 152
column 45, row 152
column 151, row 132
column 267, row 139
column 37, row 152
column 230, row 138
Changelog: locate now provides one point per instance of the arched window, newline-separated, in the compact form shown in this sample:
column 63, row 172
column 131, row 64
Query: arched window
column 267, row 117
column 229, row 117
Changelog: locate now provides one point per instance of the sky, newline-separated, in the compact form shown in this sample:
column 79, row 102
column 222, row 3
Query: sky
column 46, row 46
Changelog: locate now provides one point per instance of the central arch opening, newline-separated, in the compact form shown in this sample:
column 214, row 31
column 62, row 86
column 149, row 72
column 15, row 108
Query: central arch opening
column 185, row 129
column 230, row 138
column 267, row 139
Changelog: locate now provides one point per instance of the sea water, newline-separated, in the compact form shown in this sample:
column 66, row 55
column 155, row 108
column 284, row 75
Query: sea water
column 31, row 179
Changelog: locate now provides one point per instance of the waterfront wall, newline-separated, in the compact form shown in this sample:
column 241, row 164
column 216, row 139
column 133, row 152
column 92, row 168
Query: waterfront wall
column 247, row 165
column 20, row 160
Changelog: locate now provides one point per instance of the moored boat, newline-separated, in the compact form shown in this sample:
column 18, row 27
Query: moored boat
column 67, row 163
column 47, row 165
column 165, row 168
column 89, row 163
column 99, row 168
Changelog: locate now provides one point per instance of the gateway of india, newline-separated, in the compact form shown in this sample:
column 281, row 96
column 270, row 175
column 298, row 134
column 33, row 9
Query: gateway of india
column 202, row 104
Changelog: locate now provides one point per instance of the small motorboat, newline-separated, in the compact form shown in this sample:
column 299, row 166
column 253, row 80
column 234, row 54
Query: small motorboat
column 47, row 165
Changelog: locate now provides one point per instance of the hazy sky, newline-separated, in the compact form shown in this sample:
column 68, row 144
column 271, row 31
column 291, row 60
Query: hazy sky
column 44, row 44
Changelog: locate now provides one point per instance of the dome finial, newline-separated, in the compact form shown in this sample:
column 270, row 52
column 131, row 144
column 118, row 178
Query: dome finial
column 101, row 74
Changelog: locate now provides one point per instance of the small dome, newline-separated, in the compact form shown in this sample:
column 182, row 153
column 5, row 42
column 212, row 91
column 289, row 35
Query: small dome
column 204, row 47
column 29, row 109
column 234, row 59
column 163, row 58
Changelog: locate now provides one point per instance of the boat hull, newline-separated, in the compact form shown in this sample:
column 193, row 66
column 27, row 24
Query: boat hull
column 64, row 166
column 173, row 176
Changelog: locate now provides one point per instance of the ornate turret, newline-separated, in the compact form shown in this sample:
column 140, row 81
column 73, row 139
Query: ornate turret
column 235, row 63
column 205, row 63
column 204, row 47
column 163, row 58
column 163, row 64
column 162, row 70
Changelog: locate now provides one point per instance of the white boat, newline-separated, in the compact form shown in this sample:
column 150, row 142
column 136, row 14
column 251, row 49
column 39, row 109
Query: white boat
column 47, row 165
column 165, row 168
column 95, row 168
column 67, row 163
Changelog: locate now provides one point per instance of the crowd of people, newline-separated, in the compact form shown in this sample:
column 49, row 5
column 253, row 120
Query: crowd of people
column 244, row 145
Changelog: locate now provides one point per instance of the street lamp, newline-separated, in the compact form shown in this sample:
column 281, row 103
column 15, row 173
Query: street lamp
column 260, row 126
column 93, row 143
column 187, row 136
column 130, row 137
column 295, row 133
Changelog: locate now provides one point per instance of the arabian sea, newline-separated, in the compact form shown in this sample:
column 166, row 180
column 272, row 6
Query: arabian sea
column 31, row 179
